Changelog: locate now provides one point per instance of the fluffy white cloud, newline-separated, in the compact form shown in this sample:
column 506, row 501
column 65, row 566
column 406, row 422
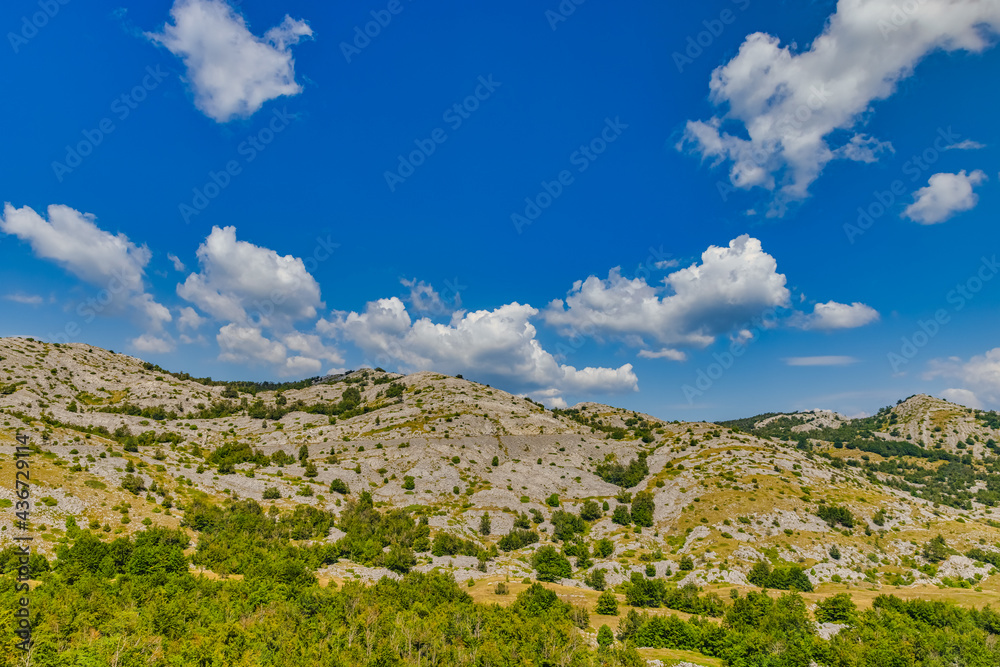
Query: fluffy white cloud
column 962, row 397
column 786, row 107
column 190, row 319
column 247, row 345
column 247, row 284
column 832, row 315
column 497, row 346
column 150, row 343
column 980, row 377
column 944, row 196
column 820, row 361
column 74, row 241
column 232, row 71
column 730, row 287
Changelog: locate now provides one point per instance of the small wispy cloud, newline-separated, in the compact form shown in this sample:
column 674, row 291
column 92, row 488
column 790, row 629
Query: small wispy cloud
column 27, row 299
column 967, row 145
column 831, row 360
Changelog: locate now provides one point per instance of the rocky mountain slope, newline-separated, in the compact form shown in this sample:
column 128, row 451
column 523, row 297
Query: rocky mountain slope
column 122, row 444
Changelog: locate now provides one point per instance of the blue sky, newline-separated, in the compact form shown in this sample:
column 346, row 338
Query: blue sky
column 800, row 200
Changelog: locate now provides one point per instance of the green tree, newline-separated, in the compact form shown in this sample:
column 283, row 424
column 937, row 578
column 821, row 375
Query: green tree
column 687, row 563
column 936, row 549
column 837, row 609
column 484, row 524
column 607, row 604
column 604, row 637
column 553, row 500
column 409, row 483
column 621, row 516
column 496, row 461
column 550, row 564
column 339, row 486
column 642, row 509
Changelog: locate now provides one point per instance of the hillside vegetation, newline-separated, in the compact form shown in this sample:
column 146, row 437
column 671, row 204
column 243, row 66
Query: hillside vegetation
column 375, row 518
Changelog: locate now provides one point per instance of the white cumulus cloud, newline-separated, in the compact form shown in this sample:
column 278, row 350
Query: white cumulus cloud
column 497, row 346
column 944, row 196
column 245, row 283
column 979, row 377
column 231, row 71
column 73, row 240
column 832, row 315
column 730, row 286
column 785, row 113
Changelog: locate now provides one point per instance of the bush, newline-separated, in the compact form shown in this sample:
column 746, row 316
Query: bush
column 484, row 524
column 517, row 539
column 834, row 514
column 409, row 483
column 496, row 461
column 133, row 484
column 553, row 500
column 604, row 637
column 595, row 579
column 623, row 476
column 936, row 549
column 271, row 493
column 687, row 563
column 550, row 564
column 621, row 516
column 339, row 486
column 604, row 547
column 566, row 525
column 590, row 511
column 788, row 578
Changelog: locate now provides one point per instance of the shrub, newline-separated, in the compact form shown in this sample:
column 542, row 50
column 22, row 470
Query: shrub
column 595, row 579
column 687, row 563
column 496, row 461
column 484, row 524
column 271, row 493
column 936, row 549
column 623, row 476
column 604, row 637
column 133, row 484
column 835, row 514
column 517, row 539
column 590, row 511
column 621, row 516
column 604, row 547
column 553, row 500
column 339, row 486
column 409, row 483
column 783, row 578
